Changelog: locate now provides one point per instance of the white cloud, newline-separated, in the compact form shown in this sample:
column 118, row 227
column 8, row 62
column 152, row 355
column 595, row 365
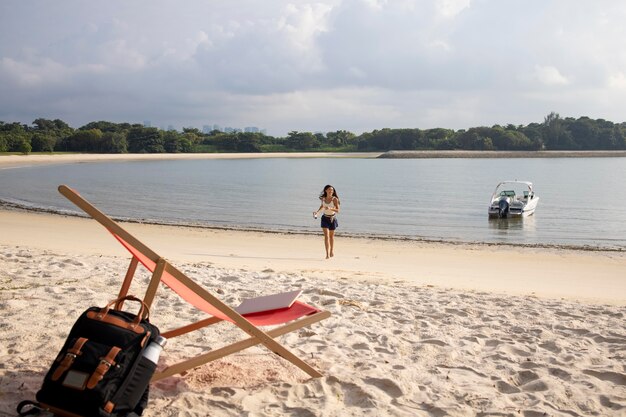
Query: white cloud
column 617, row 80
column 451, row 8
column 300, row 26
column 549, row 75
column 375, row 4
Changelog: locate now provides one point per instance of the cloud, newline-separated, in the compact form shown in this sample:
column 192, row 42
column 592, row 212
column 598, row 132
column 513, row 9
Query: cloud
column 617, row 80
column 450, row 8
column 549, row 75
column 312, row 65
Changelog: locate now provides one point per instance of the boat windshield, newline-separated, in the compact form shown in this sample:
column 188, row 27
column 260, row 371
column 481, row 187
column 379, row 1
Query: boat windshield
column 513, row 190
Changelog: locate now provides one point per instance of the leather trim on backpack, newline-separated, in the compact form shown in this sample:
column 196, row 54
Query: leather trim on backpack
column 115, row 322
column 69, row 358
column 105, row 364
column 108, row 407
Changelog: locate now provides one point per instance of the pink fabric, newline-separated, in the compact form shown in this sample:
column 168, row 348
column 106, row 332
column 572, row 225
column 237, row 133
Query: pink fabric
column 264, row 318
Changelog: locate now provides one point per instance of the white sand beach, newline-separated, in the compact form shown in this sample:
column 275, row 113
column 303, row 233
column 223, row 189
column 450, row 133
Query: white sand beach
column 9, row 161
column 417, row 329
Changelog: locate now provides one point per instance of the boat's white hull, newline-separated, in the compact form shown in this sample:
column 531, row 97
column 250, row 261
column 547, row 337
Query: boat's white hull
column 526, row 210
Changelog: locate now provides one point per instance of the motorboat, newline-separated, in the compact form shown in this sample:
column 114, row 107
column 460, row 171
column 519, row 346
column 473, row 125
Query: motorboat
column 513, row 199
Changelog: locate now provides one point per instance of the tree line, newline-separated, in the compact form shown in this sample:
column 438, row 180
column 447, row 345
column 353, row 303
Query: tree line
column 555, row 133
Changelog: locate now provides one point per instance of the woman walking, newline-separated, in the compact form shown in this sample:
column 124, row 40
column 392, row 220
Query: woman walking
column 330, row 207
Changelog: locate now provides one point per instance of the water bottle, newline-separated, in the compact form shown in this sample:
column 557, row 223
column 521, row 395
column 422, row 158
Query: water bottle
column 154, row 349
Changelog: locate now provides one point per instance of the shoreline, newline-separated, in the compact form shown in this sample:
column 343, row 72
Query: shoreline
column 501, row 154
column 589, row 276
column 16, row 161
column 10, row 206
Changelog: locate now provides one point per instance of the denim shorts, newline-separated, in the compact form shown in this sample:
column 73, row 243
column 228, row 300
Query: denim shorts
column 329, row 222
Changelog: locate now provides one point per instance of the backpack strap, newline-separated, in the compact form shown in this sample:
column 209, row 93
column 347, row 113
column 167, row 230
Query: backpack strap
column 69, row 358
column 105, row 364
column 35, row 408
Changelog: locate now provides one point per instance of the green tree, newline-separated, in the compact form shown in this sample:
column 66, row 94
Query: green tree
column 105, row 126
column 476, row 139
column 533, row 132
column 302, row 141
column 554, row 133
column 15, row 137
column 85, row 141
column 584, row 132
column 48, row 134
column 145, row 140
column 340, row 138
column 248, row 142
column 174, row 142
column 43, row 142
column 114, row 142
column 438, row 138
column 192, row 137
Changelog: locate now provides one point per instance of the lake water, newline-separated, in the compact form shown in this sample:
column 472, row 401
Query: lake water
column 582, row 200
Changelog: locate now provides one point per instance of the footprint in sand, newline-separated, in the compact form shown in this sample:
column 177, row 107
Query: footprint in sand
column 472, row 339
column 223, row 391
column 434, row 342
column 355, row 396
column 551, row 346
column 493, row 342
column 515, row 351
column 457, row 312
column 577, row 332
column 560, row 373
column 505, row 388
column 524, row 377
column 614, row 377
column 530, row 382
column 536, row 386
column 386, row 385
column 331, row 293
column 230, row 278
column 529, row 365
column 360, row 346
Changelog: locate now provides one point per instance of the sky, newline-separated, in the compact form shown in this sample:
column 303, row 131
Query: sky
column 282, row 66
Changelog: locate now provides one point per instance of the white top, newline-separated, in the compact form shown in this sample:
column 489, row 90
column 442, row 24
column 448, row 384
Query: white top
column 327, row 206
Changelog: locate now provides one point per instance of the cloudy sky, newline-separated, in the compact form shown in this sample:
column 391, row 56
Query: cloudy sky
column 317, row 66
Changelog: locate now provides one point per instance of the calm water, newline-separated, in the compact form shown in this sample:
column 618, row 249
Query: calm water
column 582, row 200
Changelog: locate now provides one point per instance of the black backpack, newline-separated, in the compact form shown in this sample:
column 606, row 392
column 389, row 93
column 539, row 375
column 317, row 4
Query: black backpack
column 100, row 370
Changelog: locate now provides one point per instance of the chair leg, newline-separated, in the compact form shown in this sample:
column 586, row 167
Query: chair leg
column 244, row 344
column 130, row 273
column 154, row 282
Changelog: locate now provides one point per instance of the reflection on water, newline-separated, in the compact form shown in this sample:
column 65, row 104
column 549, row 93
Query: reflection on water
column 522, row 228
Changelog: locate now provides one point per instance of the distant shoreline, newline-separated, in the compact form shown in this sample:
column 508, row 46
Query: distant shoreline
column 502, row 154
column 13, row 161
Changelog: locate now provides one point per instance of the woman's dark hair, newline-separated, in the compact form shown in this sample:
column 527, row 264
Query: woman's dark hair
column 323, row 194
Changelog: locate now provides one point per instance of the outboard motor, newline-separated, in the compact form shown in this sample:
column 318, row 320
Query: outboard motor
column 503, row 208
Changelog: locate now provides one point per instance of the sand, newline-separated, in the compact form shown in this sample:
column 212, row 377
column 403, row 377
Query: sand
column 417, row 329
column 11, row 161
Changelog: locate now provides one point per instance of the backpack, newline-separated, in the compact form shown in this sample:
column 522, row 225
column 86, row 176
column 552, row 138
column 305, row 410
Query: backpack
column 100, row 371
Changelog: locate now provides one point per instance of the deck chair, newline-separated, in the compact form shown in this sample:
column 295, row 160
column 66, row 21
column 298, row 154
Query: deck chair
column 293, row 318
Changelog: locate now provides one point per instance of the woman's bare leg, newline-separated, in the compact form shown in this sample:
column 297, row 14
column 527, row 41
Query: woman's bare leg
column 331, row 238
column 326, row 241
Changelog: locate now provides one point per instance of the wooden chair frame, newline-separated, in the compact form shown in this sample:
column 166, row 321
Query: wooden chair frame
column 257, row 336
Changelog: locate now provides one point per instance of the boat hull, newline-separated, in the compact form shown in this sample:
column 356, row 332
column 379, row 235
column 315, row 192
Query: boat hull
column 513, row 212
